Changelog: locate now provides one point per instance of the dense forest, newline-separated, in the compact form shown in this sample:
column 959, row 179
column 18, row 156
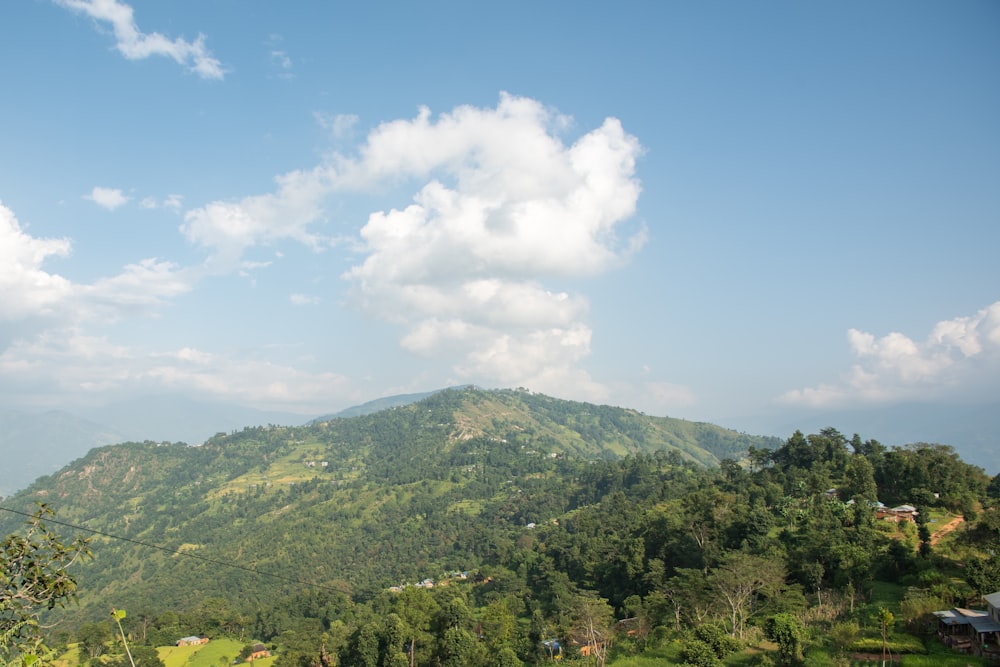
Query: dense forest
column 508, row 528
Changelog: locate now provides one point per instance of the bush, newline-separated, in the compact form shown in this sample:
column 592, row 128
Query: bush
column 697, row 653
column 717, row 638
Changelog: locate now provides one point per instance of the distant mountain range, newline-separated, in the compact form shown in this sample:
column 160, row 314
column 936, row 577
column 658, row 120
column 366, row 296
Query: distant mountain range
column 378, row 405
column 973, row 430
column 35, row 444
column 32, row 445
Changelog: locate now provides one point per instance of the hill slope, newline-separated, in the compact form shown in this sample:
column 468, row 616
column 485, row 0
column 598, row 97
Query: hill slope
column 351, row 504
column 32, row 445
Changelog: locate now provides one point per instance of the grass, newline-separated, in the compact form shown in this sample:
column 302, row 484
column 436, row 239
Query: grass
column 71, row 658
column 888, row 595
column 656, row 657
column 952, row 660
column 205, row 655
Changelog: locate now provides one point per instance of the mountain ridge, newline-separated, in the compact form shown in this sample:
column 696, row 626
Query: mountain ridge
column 394, row 490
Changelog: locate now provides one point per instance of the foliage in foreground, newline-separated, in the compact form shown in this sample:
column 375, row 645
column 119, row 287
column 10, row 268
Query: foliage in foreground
column 34, row 577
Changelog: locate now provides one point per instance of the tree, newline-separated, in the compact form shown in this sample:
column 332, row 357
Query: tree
column 497, row 625
column 505, row 657
column 457, row 648
column 885, row 619
column 983, row 574
column 144, row 656
column 94, row 638
column 788, row 632
column 33, row 578
column 739, row 580
column 593, row 622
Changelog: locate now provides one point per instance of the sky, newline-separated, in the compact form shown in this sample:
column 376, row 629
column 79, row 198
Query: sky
column 699, row 210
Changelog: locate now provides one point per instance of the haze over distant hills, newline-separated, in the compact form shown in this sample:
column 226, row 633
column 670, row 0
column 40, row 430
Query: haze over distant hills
column 973, row 430
column 35, row 444
column 32, row 445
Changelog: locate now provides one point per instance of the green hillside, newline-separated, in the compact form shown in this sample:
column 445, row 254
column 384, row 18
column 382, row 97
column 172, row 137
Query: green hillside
column 482, row 528
column 353, row 504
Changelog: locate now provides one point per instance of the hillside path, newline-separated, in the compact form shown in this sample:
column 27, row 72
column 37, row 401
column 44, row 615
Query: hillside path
column 945, row 529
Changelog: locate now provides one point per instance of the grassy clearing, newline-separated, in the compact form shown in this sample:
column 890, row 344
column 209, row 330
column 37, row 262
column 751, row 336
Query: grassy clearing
column 952, row 660
column 669, row 655
column 216, row 653
column 888, row 595
column 177, row 656
column 72, row 657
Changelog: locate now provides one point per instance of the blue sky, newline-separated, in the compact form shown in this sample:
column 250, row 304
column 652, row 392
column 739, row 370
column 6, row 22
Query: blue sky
column 699, row 209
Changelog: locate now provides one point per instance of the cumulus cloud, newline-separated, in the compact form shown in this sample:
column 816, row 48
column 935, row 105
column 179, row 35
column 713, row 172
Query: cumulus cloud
column 29, row 292
column 959, row 358
column 109, row 198
column 505, row 207
column 134, row 44
column 229, row 228
column 501, row 207
column 27, row 289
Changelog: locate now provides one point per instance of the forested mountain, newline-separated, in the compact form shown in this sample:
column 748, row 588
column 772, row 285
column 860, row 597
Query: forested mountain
column 356, row 503
column 547, row 519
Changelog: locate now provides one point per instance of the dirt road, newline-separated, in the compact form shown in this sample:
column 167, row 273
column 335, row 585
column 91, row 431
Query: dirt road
column 945, row 529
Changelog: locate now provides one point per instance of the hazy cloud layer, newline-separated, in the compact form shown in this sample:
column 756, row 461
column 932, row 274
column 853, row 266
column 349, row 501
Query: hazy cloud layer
column 500, row 206
column 134, row 44
column 960, row 359
column 68, row 362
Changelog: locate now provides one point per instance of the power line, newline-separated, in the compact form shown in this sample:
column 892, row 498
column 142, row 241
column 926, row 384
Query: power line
column 177, row 552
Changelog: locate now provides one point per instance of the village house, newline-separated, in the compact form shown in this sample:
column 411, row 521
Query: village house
column 972, row 631
column 897, row 514
column 259, row 651
column 193, row 640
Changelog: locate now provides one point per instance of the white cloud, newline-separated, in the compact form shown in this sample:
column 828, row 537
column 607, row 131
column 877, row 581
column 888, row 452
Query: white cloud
column 29, row 292
column 960, row 358
column 173, row 202
column 500, row 206
column 281, row 60
column 505, row 206
column 229, row 228
column 109, row 198
column 338, row 125
column 134, row 44
column 304, row 299
column 25, row 287
column 67, row 362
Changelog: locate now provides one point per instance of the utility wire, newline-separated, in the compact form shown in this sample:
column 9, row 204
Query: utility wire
column 177, row 552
